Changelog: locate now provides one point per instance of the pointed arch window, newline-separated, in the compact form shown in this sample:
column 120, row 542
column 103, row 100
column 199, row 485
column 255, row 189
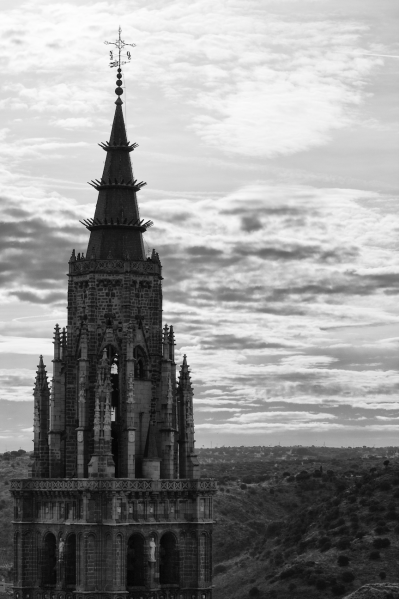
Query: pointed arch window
column 169, row 559
column 49, row 561
column 135, row 561
column 70, row 561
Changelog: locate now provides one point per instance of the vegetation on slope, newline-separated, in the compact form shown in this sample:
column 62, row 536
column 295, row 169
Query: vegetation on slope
column 306, row 532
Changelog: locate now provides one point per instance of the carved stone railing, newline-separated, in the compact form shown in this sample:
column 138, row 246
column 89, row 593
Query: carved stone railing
column 137, row 266
column 114, row 484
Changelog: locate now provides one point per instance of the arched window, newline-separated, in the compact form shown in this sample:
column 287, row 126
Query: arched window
column 140, row 365
column 109, row 562
column 70, row 561
column 135, row 562
column 49, row 561
column 168, row 560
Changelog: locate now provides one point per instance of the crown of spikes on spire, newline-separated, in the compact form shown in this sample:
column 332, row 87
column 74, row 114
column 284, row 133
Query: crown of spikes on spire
column 41, row 376
column 116, row 228
column 184, row 376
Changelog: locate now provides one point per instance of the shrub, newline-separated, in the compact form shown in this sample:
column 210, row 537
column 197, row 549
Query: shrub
column 278, row 559
column 381, row 543
column 354, row 517
column 341, row 486
column 374, row 555
column 254, row 592
column 343, row 543
column 287, row 573
column 248, row 479
column 338, row 589
column 292, row 586
column 243, row 486
column 321, row 584
column 381, row 530
column 348, row 576
column 326, row 547
column 391, row 515
column 332, row 515
column 274, row 528
column 343, row 560
column 219, row 569
column 384, row 485
column 382, row 575
column 303, row 475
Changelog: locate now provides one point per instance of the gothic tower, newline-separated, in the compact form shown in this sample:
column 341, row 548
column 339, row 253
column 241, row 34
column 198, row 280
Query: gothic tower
column 114, row 505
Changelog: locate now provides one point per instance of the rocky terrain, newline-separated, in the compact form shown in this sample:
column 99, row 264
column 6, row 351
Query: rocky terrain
column 376, row 591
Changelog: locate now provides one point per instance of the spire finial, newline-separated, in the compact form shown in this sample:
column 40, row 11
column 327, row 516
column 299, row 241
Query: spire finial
column 119, row 46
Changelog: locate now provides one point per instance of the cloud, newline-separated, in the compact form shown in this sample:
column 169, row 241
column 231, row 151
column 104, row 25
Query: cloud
column 285, row 87
column 282, row 294
column 73, row 122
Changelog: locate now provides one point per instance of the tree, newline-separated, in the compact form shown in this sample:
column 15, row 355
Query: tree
column 343, row 560
column 386, row 464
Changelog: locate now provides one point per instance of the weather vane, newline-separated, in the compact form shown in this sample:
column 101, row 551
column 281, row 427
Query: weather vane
column 119, row 46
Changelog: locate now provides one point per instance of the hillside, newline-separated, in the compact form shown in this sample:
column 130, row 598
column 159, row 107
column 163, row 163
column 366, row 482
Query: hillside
column 306, row 533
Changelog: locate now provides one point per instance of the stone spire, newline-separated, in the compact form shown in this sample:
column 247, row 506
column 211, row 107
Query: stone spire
column 41, row 394
column 116, row 229
column 189, row 466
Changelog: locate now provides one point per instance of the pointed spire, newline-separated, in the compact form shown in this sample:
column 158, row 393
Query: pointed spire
column 57, row 343
column 63, row 343
column 116, row 228
column 184, row 376
column 171, row 344
column 165, row 342
column 41, row 375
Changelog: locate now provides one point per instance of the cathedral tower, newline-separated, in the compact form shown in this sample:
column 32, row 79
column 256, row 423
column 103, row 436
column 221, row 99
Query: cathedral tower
column 114, row 505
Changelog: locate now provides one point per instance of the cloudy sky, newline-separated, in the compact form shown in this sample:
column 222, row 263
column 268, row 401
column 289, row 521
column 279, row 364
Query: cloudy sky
column 268, row 136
